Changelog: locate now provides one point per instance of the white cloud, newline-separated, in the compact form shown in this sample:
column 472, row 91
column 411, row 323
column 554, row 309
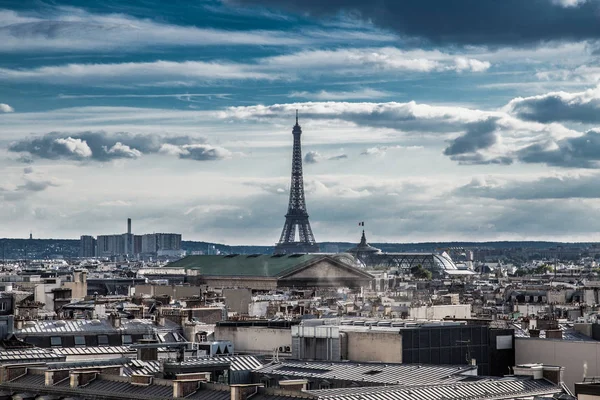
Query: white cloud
column 123, row 151
column 77, row 147
column 5, row 108
column 568, row 3
column 365, row 93
column 474, row 136
column 171, row 73
column 135, row 72
column 115, row 203
column 380, row 151
column 75, row 30
column 385, row 59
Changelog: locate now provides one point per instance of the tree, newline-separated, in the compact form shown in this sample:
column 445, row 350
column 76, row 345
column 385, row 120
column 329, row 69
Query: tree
column 421, row 273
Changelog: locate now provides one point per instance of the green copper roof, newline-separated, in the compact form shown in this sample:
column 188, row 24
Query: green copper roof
column 244, row 265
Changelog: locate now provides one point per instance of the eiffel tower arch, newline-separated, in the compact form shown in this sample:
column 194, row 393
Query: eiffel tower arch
column 297, row 235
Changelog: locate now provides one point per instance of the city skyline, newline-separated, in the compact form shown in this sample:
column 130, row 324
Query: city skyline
column 179, row 117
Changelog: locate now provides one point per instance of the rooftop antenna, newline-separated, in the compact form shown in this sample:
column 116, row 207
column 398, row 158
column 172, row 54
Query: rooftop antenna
column 296, row 116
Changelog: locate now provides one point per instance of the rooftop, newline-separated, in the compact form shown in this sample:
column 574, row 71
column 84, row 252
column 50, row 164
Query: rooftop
column 92, row 326
column 244, row 265
column 504, row 388
column 373, row 373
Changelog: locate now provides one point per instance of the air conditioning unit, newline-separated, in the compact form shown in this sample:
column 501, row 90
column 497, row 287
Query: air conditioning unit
column 215, row 349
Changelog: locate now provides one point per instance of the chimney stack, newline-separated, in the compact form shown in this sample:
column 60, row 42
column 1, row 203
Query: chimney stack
column 129, row 226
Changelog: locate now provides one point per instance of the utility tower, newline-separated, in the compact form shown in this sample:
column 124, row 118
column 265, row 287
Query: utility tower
column 296, row 218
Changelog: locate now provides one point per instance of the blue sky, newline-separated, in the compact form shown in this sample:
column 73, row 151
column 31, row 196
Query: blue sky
column 429, row 120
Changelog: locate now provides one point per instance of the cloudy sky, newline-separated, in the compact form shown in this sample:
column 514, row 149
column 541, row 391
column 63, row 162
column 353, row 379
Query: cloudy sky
column 430, row 120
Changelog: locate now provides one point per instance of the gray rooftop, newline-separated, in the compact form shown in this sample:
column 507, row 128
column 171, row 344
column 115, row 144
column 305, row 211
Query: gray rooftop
column 371, row 373
column 504, row 388
column 92, row 326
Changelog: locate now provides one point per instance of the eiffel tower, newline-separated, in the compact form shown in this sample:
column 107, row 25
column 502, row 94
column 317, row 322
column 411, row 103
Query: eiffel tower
column 296, row 218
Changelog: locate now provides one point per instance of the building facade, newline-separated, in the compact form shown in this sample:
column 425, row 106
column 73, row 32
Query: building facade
column 87, row 246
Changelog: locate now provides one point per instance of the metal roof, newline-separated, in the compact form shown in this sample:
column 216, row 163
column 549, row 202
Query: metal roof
column 28, row 355
column 371, row 373
column 237, row 363
column 243, row 265
column 265, row 266
column 568, row 333
column 93, row 350
column 502, row 388
column 71, row 365
column 92, row 326
column 141, row 367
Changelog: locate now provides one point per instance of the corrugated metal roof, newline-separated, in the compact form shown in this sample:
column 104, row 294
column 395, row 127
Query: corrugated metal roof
column 93, row 350
column 141, row 367
column 87, row 326
column 27, row 355
column 373, row 373
column 503, row 388
column 237, row 363
column 113, row 362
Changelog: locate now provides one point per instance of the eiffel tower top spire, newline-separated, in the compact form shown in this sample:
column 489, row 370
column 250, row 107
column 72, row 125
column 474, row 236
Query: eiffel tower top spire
column 296, row 219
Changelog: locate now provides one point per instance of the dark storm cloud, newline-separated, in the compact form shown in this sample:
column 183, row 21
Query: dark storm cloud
column 312, row 157
column 479, row 135
column 97, row 146
column 559, row 107
column 479, row 22
column 543, row 188
column 201, row 152
column 578, row 152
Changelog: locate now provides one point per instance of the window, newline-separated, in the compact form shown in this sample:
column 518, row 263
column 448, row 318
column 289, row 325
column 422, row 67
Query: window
column 102, row 340
column 3, row 306
column 79, row 340
column 55, row 341
column 127, row 339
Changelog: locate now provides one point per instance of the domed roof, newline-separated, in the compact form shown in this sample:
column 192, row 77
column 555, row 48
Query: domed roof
column 363, row 246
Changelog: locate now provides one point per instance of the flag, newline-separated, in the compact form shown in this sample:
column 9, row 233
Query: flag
column 361, row 223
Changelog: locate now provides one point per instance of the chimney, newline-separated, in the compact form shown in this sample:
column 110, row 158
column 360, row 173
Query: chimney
column 129, row 226
column 554, row 334
column 141, row 380
column 554, row 374
column 115, row 320
column 82, row 378
column 18, row 323
column 534, row 333
column 147, row 353
column 243, row 392
column 184, row 388
column 536, row 371
column 51, row 378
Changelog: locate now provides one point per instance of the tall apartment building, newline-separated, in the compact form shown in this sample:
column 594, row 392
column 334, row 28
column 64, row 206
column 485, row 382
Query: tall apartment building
column 168, row 241
column 87, row 246
column 110, row 245
column 161, row 243
column 149, row 245
column 153, row 244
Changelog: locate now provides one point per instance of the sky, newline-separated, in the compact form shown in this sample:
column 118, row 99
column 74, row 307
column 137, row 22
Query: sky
column 430, row 120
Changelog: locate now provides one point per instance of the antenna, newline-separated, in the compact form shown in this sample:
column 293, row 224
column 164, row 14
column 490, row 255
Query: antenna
column 296, row 116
